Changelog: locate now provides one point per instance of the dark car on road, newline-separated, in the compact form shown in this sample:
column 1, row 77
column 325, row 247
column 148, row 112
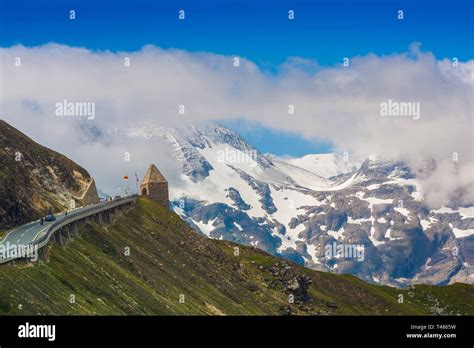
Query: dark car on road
column 50, row 217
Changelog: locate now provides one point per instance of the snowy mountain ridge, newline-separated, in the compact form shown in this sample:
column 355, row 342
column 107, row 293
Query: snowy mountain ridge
column 303, row 208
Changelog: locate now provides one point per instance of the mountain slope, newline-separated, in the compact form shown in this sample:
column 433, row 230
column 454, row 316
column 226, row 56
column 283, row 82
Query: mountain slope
column 326, row 165
column 168, row 259
column 35, row 179
column 298, row 208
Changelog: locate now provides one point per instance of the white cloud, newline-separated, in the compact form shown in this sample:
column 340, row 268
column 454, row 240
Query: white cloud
column 340, row 104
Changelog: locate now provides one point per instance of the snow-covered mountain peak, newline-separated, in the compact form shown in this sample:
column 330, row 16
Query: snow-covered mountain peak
column 296, row 207
column 326, row 165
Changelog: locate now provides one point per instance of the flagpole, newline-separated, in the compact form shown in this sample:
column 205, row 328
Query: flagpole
column 126, row 188
column 136, row 181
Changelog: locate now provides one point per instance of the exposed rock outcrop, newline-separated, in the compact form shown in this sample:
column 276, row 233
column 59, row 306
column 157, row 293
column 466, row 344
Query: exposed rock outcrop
column 35, row 180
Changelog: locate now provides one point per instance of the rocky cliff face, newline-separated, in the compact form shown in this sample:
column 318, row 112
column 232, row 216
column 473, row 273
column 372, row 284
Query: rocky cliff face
column 35, row 179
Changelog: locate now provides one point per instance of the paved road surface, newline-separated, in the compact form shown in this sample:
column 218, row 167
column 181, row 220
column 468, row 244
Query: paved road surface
column 29, row 236
column 28, row 233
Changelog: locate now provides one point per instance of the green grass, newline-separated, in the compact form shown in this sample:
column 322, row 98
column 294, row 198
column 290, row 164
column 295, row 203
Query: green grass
column 168, row 259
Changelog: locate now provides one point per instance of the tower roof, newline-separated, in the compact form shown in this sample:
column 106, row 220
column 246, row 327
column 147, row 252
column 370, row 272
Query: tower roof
column 153, row 175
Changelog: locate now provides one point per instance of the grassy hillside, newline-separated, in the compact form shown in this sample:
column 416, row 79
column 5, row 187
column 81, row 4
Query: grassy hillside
column 167, row 259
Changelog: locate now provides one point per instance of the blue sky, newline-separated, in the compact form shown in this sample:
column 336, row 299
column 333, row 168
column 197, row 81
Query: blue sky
column 275, row 141
column 325, row 31
column 259, row 30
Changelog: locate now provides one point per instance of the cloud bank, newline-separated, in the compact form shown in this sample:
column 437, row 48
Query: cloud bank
column 340, row 104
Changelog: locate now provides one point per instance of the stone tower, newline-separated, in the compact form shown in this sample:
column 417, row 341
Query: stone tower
column 155, row 186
